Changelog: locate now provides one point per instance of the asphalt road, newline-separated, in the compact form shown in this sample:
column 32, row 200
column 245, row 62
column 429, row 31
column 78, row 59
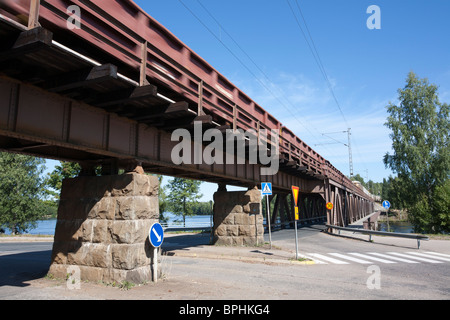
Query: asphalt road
column 23, row 266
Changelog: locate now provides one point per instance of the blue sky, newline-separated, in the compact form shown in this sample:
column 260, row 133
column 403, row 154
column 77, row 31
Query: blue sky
column 365, row 67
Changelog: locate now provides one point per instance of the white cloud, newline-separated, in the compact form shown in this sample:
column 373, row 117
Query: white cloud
column 308, row 109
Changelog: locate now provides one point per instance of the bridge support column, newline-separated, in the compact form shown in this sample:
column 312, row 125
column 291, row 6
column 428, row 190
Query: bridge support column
column 102, row 228
column 237, row 217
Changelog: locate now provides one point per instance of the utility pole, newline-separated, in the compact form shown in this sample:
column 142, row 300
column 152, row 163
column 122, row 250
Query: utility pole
column 350, row 155
column 349, row 145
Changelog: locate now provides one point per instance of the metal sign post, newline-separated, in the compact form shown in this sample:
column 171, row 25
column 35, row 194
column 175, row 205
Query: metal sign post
column 296, row 236
column 387, row 205
column 295, row 192
column 268, row 220
column 267, row 191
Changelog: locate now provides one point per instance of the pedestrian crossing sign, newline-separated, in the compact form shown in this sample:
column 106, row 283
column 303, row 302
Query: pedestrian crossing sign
column 266, row 189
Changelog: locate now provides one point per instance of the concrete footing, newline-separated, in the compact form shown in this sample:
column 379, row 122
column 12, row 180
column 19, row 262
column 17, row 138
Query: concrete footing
column 237, row 218
column 102, row 228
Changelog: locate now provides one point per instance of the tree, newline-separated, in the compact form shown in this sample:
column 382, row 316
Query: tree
column 373, row 187
column 182, row 193
column 441, row 205
column 420, row 139
column 65, row 170
column 202, row 208
column 392, row 190
column 22, row 190
column 162, row 199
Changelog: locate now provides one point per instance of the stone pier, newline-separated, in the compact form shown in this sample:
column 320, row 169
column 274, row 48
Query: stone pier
column 237, row 218
column 102, row 228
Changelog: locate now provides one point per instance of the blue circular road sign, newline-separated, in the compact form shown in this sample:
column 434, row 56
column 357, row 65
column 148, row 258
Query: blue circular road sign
column 386, row 204
column 156, row 235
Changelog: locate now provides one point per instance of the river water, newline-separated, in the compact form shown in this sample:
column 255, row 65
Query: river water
column 47, row 227
column 396, row 226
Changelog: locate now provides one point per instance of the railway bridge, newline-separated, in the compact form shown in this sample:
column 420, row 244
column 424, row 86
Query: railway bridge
column 104, row 84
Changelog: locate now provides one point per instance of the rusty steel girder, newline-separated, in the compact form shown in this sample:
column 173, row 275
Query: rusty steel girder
column 122, row 35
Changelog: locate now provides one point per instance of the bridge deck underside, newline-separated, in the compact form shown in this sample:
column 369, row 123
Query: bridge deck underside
column 56, row 104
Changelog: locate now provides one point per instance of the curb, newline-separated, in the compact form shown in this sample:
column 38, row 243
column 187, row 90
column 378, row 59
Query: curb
column 25, row 239
column 239, row 258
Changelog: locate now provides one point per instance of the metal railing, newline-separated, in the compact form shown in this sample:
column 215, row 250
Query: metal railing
column 417, row 237
column 174, row 227
column 145, row 48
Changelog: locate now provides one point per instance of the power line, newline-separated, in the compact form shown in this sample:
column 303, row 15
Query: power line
column 242, row 63
column 315, row 53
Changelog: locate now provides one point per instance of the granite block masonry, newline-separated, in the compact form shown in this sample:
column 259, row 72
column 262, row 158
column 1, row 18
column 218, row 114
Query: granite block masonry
column 237, row 218
column 102, row 228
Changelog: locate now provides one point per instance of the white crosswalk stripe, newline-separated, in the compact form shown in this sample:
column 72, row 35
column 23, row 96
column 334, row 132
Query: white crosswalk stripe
column 439, row 254
column 345, row 257
column 376, row 257
column 325, row 258
column 414, row 257
column 392, row 258
column 432, row 256
column 365, row 256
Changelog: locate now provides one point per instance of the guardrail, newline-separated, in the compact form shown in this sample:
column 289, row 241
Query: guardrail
column 381, row 233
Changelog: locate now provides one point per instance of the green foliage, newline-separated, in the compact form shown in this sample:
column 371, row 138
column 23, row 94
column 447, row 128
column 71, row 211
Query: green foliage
column 22, row 190
column 65, row 170
column 432, row 215
column 420, row 139
column 373, row 187
column 441, row 207
column 182, row 194
column 420, row 215
column 202, row 208
column 392, row 190
column 50, row 208
column 162, row 198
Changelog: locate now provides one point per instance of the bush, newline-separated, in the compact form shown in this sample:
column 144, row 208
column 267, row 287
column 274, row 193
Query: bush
column 441, row 206
column 432, row 215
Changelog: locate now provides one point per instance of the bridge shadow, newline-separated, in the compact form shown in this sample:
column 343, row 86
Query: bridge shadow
column 185, row 241
column 312, row 227
column 18, row 269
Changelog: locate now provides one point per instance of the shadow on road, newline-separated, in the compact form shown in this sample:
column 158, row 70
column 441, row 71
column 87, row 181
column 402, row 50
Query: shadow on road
column 17, row 269
column 185, row 241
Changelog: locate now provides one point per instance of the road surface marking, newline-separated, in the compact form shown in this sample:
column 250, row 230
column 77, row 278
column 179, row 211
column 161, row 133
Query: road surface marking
column 416, row 258
column 392, row 258
column 342, row 256
column 322, row 257
column 374, row 257
column 429, row 256
column 439, row 254
column 365, row 256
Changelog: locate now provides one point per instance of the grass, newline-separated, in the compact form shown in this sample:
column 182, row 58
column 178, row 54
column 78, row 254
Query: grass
column 302, row 259
column 438, row 236
column 126, row 285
